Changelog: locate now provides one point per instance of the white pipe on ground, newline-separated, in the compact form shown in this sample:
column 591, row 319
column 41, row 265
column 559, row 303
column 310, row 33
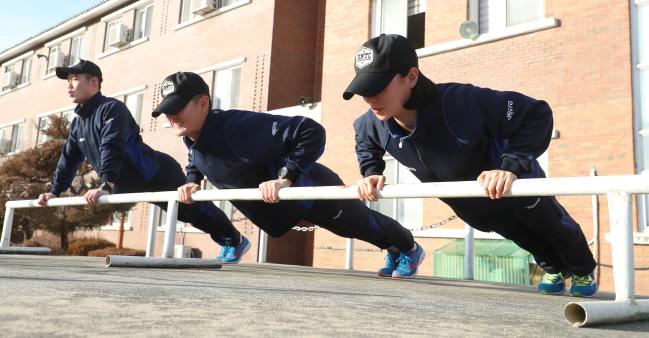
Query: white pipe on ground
column 161, row 262
column 15, row 250
column 606, row 312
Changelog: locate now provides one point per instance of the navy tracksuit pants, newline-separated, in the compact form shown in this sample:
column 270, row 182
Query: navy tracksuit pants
column 345, row 218
column 202, row 215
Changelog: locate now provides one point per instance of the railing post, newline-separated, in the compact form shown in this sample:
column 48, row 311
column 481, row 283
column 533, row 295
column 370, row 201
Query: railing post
column 349, row 254
column 170, row 233
column 468, row 252
column 151, row 237
column 620, row 218
column 6, row 228
column 263, row 245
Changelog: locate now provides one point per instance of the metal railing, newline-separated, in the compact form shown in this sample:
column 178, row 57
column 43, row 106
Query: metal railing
column 617, row 188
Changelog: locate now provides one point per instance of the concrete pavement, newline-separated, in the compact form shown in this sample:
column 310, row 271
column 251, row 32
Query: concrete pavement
column 53, row 296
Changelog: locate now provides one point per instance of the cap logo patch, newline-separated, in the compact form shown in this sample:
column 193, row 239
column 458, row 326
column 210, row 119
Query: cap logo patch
column 364, row 57
column 167, row 88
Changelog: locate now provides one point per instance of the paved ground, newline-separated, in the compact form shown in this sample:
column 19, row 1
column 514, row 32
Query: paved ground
column 49, row 296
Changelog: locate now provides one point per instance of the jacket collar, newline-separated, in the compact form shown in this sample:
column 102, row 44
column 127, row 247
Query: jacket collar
column 90, row 106
column 204, row 137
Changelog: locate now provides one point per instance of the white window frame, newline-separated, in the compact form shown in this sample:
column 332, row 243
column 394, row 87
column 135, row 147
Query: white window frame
column 401, row 175
column 142, row 25
column 133, row 102
column 640, row 72
column 53, row 60
column 190, row 18
column 226, row 88
column 25, row 74
column 76, row 52
column 15, row 139
column 43, row 123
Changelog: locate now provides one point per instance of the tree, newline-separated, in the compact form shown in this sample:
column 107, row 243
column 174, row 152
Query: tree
column 28, row 173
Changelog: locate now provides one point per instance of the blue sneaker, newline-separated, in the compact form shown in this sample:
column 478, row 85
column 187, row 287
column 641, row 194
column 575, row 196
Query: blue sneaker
column 408, row 263
column 233, row 254
column 390, row 264
column 583, row 286
column 552, row 283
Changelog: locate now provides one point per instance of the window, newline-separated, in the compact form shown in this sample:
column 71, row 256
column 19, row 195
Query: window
column 189, row 6
column 408, row 211
column 226, row 88
column 113, row 31
column 43, row 124
column 25, row 71
column 54, row 59
column 640, row 48
column 117, row 218
column 10, row 138
column 142, row 25
column 403, row 17
column 76, row 50
column 497, row 15
column 134, row 104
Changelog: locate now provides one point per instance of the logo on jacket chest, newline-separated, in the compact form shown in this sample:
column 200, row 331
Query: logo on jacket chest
column 510, row 110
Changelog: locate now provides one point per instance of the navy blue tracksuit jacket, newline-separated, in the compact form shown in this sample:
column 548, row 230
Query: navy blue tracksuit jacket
column 465, row 130
column 241, row 149
column 105, row 133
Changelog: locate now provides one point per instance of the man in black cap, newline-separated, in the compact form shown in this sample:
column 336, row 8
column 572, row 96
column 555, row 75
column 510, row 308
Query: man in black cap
column 282, row 153
column 459, row 132
column 105, row 133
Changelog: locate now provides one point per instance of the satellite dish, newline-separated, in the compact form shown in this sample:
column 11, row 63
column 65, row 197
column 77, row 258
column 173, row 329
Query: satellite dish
column 469, row 30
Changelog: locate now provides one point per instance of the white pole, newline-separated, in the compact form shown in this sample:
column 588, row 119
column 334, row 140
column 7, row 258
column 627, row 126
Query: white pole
column 6, row 228
column 468, row 251
column 170, row 232
column 263, row 246
column 349, row 254
column 622, row 244
column 151, row 236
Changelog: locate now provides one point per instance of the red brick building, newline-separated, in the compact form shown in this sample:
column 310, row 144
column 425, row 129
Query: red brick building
column 588, row 60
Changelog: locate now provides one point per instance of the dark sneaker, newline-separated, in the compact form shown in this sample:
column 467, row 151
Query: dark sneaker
column 390, row 264
column 408, row 263
column 552, row 284
column 233, row 254
column 583, row 286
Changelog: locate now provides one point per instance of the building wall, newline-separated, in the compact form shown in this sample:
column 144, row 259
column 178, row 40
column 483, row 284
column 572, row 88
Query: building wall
column 582, row 68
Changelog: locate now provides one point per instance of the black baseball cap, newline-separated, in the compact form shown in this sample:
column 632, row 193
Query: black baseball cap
column 81, row 67
column 378, row 61
column 177, row 90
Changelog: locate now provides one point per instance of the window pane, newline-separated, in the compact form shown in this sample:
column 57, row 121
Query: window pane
column 228, row 2
column 5, row 140
column 521, row 11
column 111, row 33
column 394, row 17
column 643, row 33
column 134, row 104
column 15, row 137
column 43, row 124
column 27, row 67
column 643, row 100
column 226, row 88
column 53, row 59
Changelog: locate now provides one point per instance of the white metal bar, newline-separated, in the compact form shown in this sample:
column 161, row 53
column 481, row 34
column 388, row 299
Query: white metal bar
column 468, row 252
column 619, row 208
column 635, row 184
column 161, row 262
column 170, row 232
column 6, row 228
column 151, row 236
column 349, row 254
column 263, row 246
column 25, row 250
column 606, row 312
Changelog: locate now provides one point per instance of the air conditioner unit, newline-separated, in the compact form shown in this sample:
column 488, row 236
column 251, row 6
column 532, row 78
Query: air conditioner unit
column 205, row 6
column 182, row 251
column 11, row 79
column 120, row 38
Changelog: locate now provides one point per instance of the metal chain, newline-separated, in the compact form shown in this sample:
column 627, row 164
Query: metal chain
column 315, row 227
